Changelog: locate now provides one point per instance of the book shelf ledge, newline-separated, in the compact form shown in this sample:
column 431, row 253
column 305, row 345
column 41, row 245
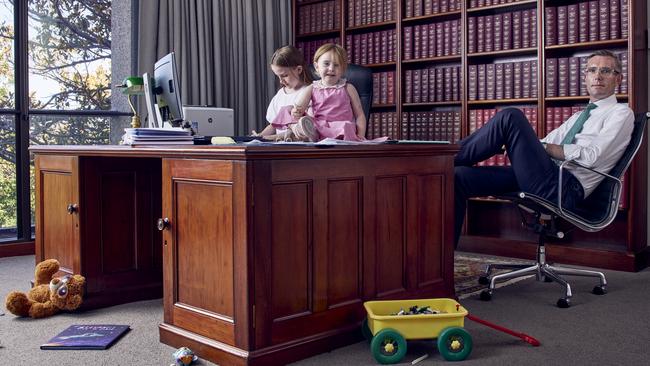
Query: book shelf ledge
column 502, row 101
column 449, row 14
column 451, row 102
column 510, row 52
column 433, row 59
column 383, row 106
column 321, row 33
column 383, row 64
column 309, row 2
column 579, row 98
column 588, row 45
column 371, row 25
column 516, row 4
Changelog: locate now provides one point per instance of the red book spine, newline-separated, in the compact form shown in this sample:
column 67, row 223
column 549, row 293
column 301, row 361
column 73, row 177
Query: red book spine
column 439, row 39
column 603, row 13
column 385, row 45
column 498, row 81
column 498, row 32
column 455, row 79
column 424, row 85
column 574, row 76
column 417, row 41
column 391, row 87
column 435, row 7
column 408, row 86
column 517, row 82
column 417, row 8
column 533, row 79
column 371, row 48
column 583, row 22
column 408, row 8
column 562, row 33
column 525, row 79
column 432, row 84
column 615, row 19
column 551, row 26
column 624, row 83
column 424, row 41
column 383, row 90
column 432, row 40
column 481, row 82
column 551, row 77
column 624, row 19
column 572, row 23
column 447, row 38
column 563, row 76
column 508, row 76
column 375, row 88
column 472, row 79
column 548, row 127
column 416, row 86
column 472, row 120
column 440, row 91
column 427, row 7
column 557, row 117
column 489, row 33
column 480, row 34
column 408, row 43
column 392, row 37
column 525, row 29
column 455, row 37
column 490, row 86
column 533, row 28
column 516, row 29
column 405, row 126
column 448, row 90
column 583, row 65
column 506, row 32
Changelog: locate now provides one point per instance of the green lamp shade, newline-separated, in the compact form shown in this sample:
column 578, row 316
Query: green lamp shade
column 133, row 85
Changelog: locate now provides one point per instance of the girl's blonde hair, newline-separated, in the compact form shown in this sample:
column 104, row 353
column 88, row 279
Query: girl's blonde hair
column 339, row 52
column 290, row 56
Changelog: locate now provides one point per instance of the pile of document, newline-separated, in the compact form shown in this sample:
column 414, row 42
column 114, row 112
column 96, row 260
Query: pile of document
column 156, row 136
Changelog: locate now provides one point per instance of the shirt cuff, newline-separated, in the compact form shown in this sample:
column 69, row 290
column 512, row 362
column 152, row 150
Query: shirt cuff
column 571, row 151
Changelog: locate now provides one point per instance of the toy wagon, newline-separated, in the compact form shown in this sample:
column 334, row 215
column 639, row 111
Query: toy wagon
column 389, row 332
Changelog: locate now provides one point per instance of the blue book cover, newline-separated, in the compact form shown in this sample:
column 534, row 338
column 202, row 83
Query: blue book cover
column 87, row 336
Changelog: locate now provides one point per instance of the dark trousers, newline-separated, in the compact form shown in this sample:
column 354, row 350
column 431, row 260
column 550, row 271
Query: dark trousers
column 531, row 170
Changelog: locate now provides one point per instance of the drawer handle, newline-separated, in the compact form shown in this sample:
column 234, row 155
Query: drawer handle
column 163, row 224
column 72, row 208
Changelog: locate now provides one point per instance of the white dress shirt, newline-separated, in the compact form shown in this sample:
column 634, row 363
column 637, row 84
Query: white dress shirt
column 600, row 144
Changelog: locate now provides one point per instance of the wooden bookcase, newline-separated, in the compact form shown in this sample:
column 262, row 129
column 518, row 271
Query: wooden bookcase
column 493, row 226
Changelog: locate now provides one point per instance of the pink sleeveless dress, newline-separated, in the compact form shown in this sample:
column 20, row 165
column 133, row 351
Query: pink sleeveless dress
column 331, row 110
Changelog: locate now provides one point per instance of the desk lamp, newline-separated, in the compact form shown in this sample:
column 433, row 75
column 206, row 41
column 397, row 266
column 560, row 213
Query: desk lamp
column 133, row 85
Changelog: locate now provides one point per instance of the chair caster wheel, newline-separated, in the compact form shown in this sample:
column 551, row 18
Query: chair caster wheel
column 483, row 280
column 599, row 290
column 563, row 303
column 486, row 295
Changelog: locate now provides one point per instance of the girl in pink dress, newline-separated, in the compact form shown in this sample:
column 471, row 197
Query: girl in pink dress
column 335, row 110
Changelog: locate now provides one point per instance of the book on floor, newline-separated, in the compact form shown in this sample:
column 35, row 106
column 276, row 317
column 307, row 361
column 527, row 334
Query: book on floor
column 87, row 336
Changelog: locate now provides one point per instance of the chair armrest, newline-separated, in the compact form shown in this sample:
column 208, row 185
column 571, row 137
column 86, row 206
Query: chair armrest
column 617, row 181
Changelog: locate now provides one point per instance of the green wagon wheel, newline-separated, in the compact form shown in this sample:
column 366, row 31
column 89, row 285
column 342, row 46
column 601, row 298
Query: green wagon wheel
column 365, row 330
column 454, row 344
column 388, row 346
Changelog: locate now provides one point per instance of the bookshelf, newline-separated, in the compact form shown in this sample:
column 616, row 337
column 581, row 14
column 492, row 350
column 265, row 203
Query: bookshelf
column 478, row 67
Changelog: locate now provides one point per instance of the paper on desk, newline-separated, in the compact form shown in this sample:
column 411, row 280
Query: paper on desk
column 326, row 141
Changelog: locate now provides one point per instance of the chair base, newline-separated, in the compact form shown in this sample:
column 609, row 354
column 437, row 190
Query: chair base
column 543, row 272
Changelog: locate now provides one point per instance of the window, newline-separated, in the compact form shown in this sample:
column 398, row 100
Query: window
column 55, row 88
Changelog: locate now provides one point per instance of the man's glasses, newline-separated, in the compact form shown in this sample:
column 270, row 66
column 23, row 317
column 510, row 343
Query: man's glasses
column 605, row 71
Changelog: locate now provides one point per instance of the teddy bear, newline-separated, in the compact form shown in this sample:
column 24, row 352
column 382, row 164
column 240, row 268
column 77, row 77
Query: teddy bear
column 49, row 295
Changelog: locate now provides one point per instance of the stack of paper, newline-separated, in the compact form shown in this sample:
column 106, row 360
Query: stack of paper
column 156, row 136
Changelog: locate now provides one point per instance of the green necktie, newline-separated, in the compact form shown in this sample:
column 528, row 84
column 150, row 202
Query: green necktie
column 577, row 127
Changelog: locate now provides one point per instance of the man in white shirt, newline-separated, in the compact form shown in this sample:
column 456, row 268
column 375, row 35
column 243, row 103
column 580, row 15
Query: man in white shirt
column 595, row 137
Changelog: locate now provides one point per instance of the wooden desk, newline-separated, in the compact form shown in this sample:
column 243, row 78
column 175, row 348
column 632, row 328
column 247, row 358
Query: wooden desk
column 269, row 252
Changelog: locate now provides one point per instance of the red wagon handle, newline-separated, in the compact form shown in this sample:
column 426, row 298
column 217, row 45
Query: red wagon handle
column 523, row 336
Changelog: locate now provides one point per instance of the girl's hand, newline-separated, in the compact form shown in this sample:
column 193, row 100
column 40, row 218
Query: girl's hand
column 297, row 111
column 254, row 133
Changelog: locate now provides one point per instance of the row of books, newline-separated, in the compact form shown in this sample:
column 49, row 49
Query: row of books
column 362, row 12
column 383, row 88
column 431, row 126
column 565, row 76
column 587, row 21
column 372, row 48
column 436, row 84
column 479, row 117
column 507, row 80
column 309, row 48
column 555, row 116
column 503, row 31
column 319, row 17
column 432, row 40
column 482, row 3
column 417, row 8
column 383, row 124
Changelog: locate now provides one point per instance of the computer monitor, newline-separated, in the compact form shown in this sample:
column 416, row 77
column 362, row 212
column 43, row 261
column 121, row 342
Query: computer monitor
column 150, row 101
column 167, row 90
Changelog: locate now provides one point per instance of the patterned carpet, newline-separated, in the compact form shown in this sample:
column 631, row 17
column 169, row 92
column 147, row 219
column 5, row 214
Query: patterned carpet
column 468, row 267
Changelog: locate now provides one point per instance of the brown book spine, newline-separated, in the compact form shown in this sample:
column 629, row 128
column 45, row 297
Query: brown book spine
column 533, row 79
column 424, row 85
column 376, row 84
column 593, row 21
column 563, row 76
column 447, row 38
column 624, row 83
column 385, row 45
column 455, row 37
column 417, row 8
column 481, row 81
column 448, row 87
column 408, row 43
column 490, row 85
column 548, row 121
column 416, row 86
column 551, row 77
column 408, row 8
column 498, row 81
column 480, row 34
column 427, row 7
column 405, row 126
column 615, row 19
column 371, row 48
column 440, row 90
column 455, row 80
column 508, row 80
column 439, row 39
column 583, row 65
column 550, row 27
column 435, row 7
column 391, row 87
column 583, row 22
column 525, row 79
column 383, row 90
column 572, row 23
column 417, row 42
column 498, row 32
column 431, row 29
column 517, row 80
column 533, row 28
column 603, row 14
column 562, row 32
column 489, row 33
column 432, row 84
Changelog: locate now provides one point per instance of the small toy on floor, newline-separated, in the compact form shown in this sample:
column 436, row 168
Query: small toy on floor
column 184, row 356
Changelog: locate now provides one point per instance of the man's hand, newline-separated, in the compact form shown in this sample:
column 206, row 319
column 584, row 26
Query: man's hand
column 554, row 151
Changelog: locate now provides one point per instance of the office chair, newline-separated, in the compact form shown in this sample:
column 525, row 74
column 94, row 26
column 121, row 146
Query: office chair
column 593, row 214
column 361, row 78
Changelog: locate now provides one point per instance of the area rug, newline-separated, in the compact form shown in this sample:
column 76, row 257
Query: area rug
column 469, row 267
